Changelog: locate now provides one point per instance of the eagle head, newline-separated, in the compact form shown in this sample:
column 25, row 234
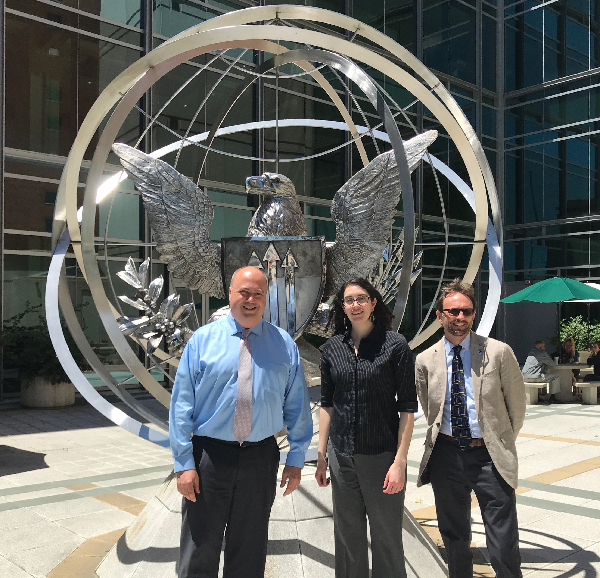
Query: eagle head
column 271, row 185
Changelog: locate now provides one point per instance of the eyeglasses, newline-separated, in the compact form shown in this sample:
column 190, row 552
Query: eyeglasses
column 456, row 311
column 361, row 300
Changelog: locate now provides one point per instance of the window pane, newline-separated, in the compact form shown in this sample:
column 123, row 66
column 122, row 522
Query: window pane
column 488, row 53
column 449, row 38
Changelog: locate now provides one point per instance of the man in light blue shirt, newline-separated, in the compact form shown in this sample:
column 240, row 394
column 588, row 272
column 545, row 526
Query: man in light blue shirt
column 229, row 487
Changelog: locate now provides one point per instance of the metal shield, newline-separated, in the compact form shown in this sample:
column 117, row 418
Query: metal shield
column 295, row 272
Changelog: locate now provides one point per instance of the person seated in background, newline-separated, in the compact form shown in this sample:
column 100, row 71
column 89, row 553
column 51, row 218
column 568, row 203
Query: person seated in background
column 568, row 354
column 594, row 359
column 537, row 366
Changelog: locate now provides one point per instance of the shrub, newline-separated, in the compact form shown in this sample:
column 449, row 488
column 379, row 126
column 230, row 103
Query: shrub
column 576, row 328
column 28, row 347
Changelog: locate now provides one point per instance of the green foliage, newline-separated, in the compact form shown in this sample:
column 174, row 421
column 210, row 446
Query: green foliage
column 28, row 347
column 576, row 328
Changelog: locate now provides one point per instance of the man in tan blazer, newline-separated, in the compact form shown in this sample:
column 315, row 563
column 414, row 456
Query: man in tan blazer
column 473, row 397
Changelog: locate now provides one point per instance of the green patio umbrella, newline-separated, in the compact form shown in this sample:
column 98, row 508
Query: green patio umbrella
column 555, row 290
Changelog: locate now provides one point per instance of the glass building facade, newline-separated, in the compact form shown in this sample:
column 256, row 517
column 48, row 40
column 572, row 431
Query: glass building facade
column 525, row 74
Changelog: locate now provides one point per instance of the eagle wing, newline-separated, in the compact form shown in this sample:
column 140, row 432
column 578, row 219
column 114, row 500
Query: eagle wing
column 363, row 211
column 180, row 214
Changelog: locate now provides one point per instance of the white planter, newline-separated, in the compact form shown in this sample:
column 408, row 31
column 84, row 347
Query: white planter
column 40, row 393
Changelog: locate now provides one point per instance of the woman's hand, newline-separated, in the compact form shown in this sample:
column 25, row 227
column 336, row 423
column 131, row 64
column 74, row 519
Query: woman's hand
column 321, row 473
column 394, row 479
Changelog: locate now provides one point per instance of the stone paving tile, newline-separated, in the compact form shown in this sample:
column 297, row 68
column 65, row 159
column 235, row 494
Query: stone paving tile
column 10, row 570
column 568, row 526
column 542, row 546
column 417, row 498
column 103, row 522
column 317, row 547
column 311, row 501
column 36, row 495
column 559, row 499
column 529, row 514
column 16, row 518
column 282, row 551
column 61, row 510
column 585, row 481
column 529, row 446
column 36, row 535
column 536, row 464
column 283, row 509
column 145, row 494
column 584, row 563
column 40, row 561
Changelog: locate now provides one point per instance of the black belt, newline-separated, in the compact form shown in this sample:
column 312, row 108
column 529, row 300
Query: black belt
column 269, row 440
column 475, row 442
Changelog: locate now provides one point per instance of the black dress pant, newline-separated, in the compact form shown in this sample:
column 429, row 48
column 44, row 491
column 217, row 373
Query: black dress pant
column 357, row 488
column 454, row 473
column 237, row 490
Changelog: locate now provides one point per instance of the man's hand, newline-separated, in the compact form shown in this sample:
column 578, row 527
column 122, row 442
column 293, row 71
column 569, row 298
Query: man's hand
column 394, row 479
column 188, row 484
column 291, row 475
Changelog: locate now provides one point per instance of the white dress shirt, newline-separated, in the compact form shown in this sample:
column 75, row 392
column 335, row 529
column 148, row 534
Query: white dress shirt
column 465, row 355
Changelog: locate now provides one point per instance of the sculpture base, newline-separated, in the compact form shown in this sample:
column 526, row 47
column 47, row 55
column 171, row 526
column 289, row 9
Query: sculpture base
column 300, row 538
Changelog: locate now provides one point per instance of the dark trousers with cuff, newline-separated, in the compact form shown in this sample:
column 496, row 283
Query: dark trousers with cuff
column 237, row 490
column 357, row 488
column 454, row 473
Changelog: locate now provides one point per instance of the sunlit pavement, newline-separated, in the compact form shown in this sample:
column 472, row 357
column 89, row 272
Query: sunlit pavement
column 71, row 483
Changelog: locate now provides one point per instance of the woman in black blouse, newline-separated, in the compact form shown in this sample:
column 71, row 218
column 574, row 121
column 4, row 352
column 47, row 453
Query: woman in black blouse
column 368, row 400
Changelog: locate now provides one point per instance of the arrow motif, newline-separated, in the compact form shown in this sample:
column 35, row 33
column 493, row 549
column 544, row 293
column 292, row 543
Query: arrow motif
column 255, row 261
column 271, row 257
column 289, row 263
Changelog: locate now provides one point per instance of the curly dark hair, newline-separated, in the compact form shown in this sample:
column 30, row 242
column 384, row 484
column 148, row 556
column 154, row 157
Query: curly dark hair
column 338, row 318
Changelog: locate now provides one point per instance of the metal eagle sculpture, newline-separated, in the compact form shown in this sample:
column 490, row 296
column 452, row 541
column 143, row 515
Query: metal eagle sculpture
column 180, row 214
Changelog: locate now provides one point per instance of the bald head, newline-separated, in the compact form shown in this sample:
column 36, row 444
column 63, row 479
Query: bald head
column 248, row 296
column 249, row 272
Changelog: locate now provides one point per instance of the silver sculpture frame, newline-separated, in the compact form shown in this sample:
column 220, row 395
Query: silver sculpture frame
column 235, row 30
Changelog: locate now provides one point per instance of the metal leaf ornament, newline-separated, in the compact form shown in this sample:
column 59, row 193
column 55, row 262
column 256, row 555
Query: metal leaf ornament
column 165, row 321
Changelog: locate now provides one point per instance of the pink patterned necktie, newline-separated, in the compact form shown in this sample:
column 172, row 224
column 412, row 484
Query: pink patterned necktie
column 242, row 420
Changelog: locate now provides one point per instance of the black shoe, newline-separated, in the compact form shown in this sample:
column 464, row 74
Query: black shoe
column 553, row 399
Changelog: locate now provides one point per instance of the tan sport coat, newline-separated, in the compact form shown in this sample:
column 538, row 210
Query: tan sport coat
column 499, row 400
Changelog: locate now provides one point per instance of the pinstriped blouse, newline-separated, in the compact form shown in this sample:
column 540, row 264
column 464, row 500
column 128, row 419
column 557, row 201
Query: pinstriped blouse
column 367, row 390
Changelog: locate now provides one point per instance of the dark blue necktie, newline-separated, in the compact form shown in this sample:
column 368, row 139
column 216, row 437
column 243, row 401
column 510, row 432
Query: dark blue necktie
column 458, row 409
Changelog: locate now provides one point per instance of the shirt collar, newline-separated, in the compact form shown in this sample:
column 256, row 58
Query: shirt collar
column 236, row 328
column 465, row 344
column 374, row 333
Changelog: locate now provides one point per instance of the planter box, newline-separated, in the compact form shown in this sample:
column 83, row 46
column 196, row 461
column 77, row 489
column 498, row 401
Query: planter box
column 40, row 393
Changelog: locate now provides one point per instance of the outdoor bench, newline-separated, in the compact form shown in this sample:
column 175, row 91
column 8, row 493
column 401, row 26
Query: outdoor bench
column 589, row 391
column 532, row 390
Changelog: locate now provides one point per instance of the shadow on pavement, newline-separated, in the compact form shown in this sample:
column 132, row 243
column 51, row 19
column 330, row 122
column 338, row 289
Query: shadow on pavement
column 16, row 461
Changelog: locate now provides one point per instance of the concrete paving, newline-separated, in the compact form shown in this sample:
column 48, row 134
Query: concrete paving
column 71, row 483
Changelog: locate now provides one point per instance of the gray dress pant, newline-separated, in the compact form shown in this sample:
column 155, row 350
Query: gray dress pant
column 237, row 490
column 454, row 473
column 357, row 488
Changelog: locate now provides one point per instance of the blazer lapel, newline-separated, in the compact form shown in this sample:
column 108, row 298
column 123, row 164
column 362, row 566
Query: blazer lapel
column 441, row 376
column 477, row 358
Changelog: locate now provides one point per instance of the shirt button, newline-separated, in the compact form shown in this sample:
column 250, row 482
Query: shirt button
column 430, row 445
column 438, row 424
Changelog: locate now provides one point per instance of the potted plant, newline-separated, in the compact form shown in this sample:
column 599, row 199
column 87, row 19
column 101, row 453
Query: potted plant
column 28, row 349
